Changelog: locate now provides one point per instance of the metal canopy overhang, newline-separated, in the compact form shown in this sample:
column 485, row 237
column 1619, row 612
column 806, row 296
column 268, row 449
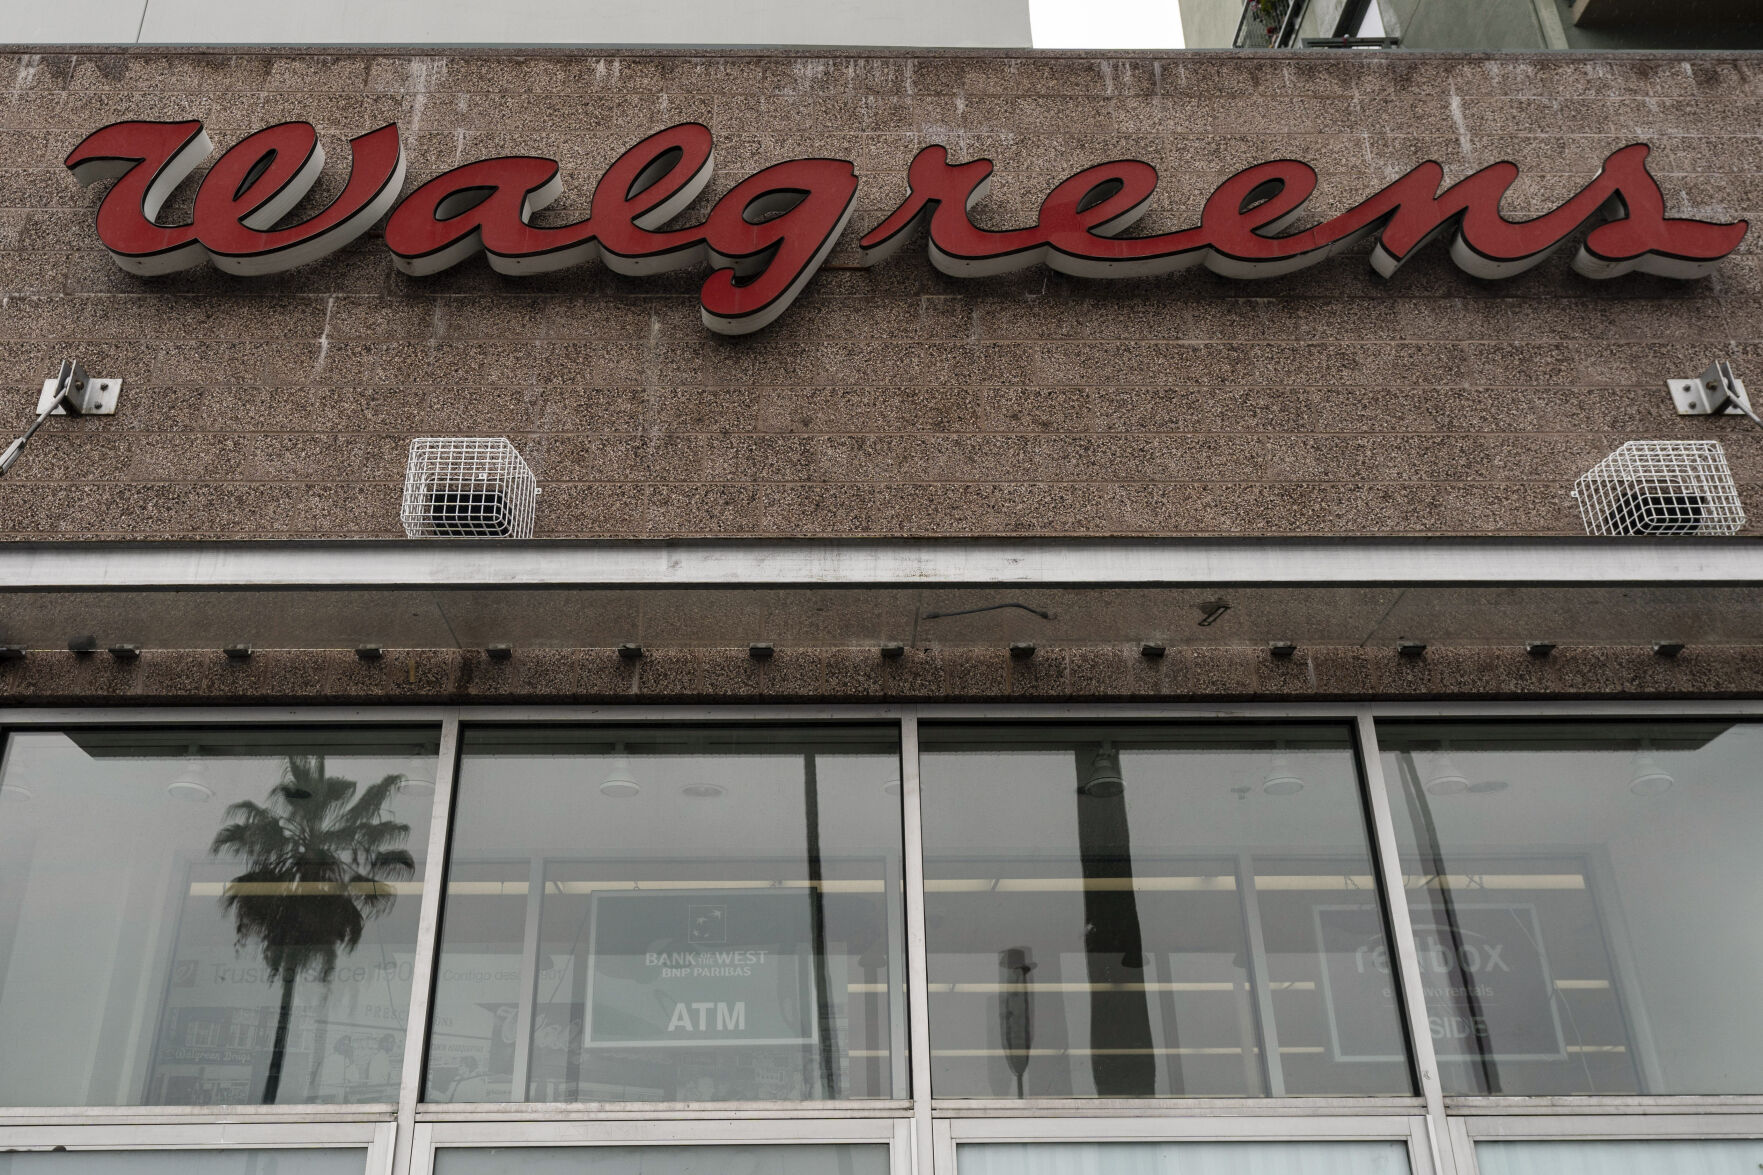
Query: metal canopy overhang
column 726, row 593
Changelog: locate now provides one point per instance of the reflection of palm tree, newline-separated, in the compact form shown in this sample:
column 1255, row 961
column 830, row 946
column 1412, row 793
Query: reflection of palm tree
column 319, row 862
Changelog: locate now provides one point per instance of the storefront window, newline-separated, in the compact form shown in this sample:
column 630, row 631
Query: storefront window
column 803, row 1159
column 1135, row 911
column 673, row 914
column 1585, row 900
column 1183, row 1158
column 203, row 1162
column 209, row 916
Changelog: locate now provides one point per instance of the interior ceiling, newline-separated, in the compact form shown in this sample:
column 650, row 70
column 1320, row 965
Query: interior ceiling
column 919, row 616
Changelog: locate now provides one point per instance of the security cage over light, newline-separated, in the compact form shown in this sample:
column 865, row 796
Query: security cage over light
column 468, row 488
column 1661, row 487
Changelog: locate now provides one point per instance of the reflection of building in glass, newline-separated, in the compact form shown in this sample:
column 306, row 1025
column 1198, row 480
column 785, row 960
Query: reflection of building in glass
column 1483, row 25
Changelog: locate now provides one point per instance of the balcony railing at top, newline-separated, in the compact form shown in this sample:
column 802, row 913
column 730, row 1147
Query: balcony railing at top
column 1275, row 24
column 1269, row 24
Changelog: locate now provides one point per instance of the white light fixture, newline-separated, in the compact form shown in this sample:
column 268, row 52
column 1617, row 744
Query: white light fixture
column 418, row 787
column 1280, row 779
column 1649, row 778
column 16, row 791
column 1446, row 779
column 704, row 791
column 621, row 783
column 191, row 782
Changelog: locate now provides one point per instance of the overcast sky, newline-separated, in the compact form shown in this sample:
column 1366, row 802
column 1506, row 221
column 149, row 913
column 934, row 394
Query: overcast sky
column 1111, row 24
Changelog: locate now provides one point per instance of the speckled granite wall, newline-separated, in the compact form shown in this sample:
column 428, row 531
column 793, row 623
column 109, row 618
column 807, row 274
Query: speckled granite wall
column 891, row 401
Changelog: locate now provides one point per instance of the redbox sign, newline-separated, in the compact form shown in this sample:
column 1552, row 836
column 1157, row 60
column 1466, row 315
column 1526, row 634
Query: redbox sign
column 767, row 236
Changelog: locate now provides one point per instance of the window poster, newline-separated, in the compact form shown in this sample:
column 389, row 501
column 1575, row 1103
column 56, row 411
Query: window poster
column 701, row 969
column 670, row 995
column 1489, row 994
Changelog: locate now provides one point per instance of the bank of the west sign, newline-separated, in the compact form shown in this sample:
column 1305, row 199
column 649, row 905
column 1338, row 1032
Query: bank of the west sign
column 766, row 237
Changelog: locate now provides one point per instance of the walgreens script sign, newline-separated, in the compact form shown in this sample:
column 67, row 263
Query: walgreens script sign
column 766, row 237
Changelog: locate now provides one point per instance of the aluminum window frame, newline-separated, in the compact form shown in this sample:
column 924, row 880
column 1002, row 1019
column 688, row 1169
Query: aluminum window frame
column 1220, row 1126
column 373, row 1136
column 922, row 1131
column 1558, row 1122
column 618, row 1129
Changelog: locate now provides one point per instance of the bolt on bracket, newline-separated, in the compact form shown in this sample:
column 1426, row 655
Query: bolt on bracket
column 96, row 398
column 1716, row 391
column 70, row 393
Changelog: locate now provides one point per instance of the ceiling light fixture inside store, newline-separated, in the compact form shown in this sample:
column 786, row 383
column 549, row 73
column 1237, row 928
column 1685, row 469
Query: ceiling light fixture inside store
column 1446, row 779
column 1105, row 781
column 418, row 787
column 191, row 781
column 704, row 791
column 1280, row 780
column 1649, row 778
column 620, row 784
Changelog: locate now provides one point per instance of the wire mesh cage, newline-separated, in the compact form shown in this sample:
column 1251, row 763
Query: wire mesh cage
column 468, row 487
column 1660, row 487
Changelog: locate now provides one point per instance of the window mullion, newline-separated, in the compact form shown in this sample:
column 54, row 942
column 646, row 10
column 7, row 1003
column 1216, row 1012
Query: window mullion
column 427, row 943
column 917, row 965
column 1388, row 860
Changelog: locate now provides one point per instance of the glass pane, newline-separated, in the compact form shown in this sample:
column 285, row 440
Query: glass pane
column 204, row 1162
column 1585, row 898
column 838, row 1159
column 1701, row 1156
column 1184, row 1158
column 209, row 916
column 1134, row 910
column 673, row 914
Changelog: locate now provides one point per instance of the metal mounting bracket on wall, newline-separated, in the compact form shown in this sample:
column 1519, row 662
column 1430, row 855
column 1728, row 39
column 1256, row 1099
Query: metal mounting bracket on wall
column 97, row 398
column 1716, row 391
column 70, row 393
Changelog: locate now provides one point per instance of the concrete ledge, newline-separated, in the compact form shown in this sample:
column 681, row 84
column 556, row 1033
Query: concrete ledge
column 600, row 676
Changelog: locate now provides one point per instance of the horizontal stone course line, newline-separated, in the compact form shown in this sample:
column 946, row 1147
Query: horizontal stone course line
column 902, row 487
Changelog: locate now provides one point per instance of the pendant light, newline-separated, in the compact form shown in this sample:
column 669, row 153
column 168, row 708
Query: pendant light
column 620, row 783
column 1649, row 778
column 1105, row 782
column 1280, row 779
column 1446, row 779
column 190, row 784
